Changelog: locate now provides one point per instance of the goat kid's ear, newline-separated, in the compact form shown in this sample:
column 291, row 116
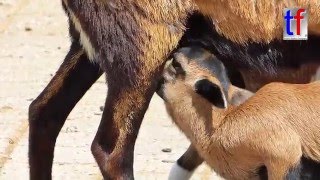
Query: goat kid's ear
column 211, row 92
column 238, row 96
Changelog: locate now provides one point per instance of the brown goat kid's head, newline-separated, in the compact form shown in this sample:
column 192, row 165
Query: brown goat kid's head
column 197, row 91
column 195, row 83
column 197, row 77
column 196, row 72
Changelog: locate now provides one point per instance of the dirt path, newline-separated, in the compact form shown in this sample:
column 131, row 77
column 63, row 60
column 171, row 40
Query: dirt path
column 33, row 42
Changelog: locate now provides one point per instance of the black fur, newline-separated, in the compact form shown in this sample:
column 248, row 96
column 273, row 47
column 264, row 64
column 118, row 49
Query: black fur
column 307, row 169
column 264, row 57
column 211, row 92
column 235, row 77
column 263, row 173
column 295, row 173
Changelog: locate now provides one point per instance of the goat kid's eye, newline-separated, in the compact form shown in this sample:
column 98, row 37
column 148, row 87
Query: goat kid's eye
column 178, row 68
column 176, row 65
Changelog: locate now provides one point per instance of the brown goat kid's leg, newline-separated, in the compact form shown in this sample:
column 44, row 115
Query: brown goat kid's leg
column 49, row 111
column 190, row 160
column 186, row 164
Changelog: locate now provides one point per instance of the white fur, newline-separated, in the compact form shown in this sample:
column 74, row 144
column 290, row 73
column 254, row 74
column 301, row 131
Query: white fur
column 178, row 173
column 214, row 176
column 84, row 39
column 225, row 102
column 316, row 77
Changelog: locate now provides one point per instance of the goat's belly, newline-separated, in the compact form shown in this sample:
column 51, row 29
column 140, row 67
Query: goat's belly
column 315, row 29
column 258, row 21
column 306, row 73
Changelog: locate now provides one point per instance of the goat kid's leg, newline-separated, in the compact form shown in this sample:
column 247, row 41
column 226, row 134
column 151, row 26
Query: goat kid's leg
column 48, row 112
column 185, row 165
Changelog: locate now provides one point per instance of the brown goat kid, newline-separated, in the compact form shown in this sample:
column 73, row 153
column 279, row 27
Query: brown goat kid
column 274, row 134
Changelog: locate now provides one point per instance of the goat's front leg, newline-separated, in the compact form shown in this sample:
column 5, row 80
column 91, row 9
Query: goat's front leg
column 185, row 165
column 48, row 112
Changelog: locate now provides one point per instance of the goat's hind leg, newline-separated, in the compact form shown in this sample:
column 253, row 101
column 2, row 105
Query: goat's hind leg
column 48, row 112
column 124, row 109
column 131, row 39
column 131, row 85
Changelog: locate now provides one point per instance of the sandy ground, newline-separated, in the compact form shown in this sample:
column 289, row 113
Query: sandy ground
column 33, row 42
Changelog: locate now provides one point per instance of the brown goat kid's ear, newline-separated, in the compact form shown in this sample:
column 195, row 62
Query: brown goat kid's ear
column 211, row 92
column 238, row 96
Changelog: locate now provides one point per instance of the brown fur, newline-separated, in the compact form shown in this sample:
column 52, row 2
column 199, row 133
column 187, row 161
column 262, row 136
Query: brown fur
column 259, row 21
column 48, row 112
column 191, row 159
column 274, row 128
column 129, row 41
column 145, row 30
column 300, row 75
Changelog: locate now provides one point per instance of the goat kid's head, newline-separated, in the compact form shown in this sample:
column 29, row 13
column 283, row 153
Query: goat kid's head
column 195, row 74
